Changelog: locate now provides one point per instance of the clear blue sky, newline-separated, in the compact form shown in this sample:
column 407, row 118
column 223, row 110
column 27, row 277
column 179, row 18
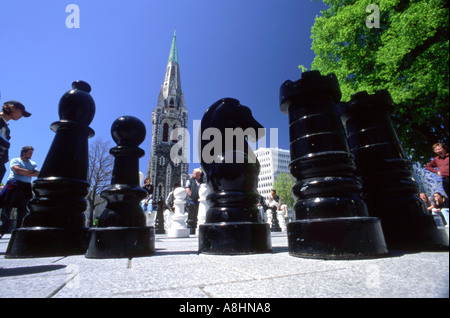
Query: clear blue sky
column 243, row 49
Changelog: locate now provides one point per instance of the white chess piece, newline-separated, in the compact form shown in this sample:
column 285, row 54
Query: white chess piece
column 178, row 228
column 151, row 216
column 282, row 215
column 202, row 205
column 167, row 219
column 269, row 215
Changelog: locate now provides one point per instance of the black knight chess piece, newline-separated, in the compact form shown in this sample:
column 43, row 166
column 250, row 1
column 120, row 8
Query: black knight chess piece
column 233, row 224
column 331, row 219
column 55, row 225
column 122, row 230
column 389, row 190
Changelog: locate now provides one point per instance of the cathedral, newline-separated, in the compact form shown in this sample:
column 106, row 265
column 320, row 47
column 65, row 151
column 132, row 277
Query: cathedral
column 169, row 119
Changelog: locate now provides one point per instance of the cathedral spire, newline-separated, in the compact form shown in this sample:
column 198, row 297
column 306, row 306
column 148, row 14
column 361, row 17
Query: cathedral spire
column 170, row 122
column 171, row 89
column 173, row 56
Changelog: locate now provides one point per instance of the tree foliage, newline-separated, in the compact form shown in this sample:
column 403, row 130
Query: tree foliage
column 407, row 54
column 283, row 185
column 100, row 170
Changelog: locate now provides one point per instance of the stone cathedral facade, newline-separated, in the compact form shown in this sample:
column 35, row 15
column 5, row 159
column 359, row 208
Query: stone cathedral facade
column 169, row 120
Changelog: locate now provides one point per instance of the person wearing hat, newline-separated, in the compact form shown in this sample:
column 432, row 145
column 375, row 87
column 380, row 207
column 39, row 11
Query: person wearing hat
column 11, row 110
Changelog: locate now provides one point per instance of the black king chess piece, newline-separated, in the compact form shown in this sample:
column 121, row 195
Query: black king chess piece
column 233, row 224
column 389, row 190
column 122, row 230
column 331, row 219
column 55, row 225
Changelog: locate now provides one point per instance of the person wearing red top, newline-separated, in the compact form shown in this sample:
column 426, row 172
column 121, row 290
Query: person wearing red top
column 441, row 163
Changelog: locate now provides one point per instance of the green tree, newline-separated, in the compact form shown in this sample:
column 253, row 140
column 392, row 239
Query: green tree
column 283, row 185
column 100, row 171
column 407, row 54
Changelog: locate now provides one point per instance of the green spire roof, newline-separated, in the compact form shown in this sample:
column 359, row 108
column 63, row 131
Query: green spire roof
column 173, row 56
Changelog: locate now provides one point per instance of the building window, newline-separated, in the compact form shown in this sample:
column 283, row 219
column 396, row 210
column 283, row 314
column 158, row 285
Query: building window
column 174, row 134
column 165, row 133
column 160, row 193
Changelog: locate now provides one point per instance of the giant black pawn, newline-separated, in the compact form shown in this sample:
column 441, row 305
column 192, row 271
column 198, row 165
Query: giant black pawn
column 331, row 219
column 122, row 230
column 233, row 224
column 389, row 190
column 55, row 225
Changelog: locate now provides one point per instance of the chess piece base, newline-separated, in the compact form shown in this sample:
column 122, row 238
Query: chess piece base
column 46, row 242
column 234, row 238
column 337, row 238
column 415, row 232
column 175, row 233
column 121, row 242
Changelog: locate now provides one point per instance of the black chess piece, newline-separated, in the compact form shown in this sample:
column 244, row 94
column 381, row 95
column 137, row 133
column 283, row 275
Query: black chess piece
column 55, row 225
column 122, row 230
column 275, row 224
column 159, row 219
column 389, row 190
column 233, row 224
column 331, row 219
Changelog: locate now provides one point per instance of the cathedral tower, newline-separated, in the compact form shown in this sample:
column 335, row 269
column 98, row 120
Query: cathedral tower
column 169, row 120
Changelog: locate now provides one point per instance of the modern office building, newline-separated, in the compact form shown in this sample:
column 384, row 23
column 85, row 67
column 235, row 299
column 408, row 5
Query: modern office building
column 273, row 161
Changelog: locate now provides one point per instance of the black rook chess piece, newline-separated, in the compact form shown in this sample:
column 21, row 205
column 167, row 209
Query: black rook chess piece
column 331, row 219
column 122, row 230
column 233, row 224
column 55, row 225
column 389, row 190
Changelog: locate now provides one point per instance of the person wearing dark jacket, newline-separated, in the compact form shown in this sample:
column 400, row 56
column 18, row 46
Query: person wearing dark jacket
column 10, row 110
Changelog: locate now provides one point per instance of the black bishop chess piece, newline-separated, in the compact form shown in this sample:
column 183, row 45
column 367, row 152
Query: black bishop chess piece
column 331, row 219
column 55, row 225
column 389, row 190
column 233, row 223
column 122, row 230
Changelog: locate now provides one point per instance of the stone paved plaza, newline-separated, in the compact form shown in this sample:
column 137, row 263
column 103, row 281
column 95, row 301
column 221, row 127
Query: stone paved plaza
column 176, row 270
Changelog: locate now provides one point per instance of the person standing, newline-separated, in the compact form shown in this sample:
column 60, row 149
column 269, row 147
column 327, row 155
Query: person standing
column 148, row 186
column 192, row 187
column 171, row 198
column 274, row 200
column 441, row 163
column 17, row 191
column 10, row 110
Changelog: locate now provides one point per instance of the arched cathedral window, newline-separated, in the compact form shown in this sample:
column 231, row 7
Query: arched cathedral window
column 165, row 133
column 174, row 134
